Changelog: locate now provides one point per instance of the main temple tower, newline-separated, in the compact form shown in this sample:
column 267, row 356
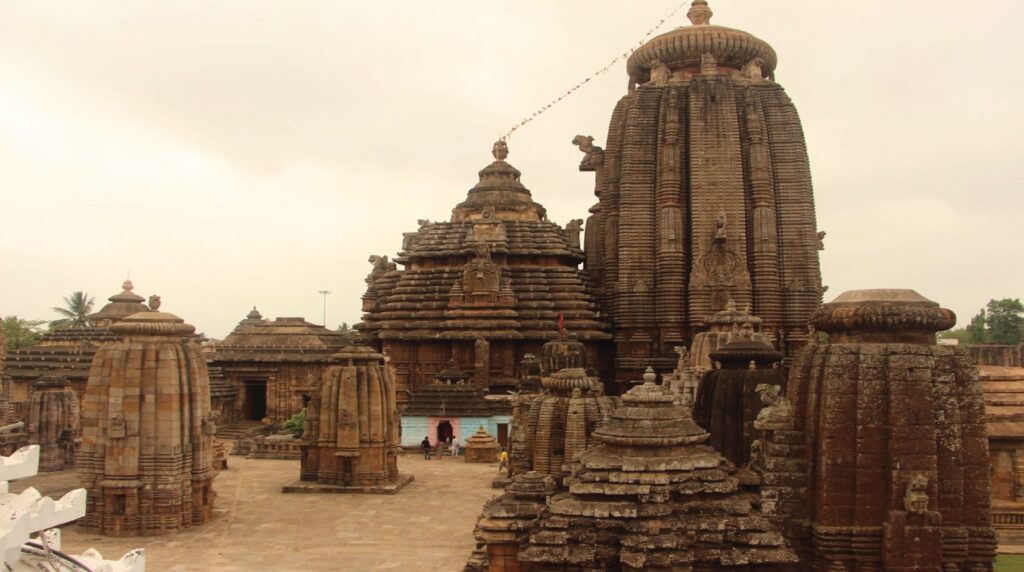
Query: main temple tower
column 704, row 195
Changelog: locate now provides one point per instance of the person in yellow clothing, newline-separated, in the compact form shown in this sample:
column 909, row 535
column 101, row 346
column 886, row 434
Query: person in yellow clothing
column 502, row 460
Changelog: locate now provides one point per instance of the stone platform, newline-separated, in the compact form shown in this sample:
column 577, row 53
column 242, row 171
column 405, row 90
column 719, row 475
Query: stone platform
column 298, row 486
column 428, row 526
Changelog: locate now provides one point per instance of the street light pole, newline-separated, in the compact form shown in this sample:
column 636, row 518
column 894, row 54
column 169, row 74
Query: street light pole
column 325, row 293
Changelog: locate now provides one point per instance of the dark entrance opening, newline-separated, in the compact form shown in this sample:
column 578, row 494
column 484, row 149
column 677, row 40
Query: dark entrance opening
column 255, row 406
column 503, row 434
column 444, row 431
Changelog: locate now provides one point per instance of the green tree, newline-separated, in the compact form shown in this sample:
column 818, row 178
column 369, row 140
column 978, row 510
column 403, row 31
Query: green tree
column 344, row 328
column 76, row 310
column 1005, row 321
column 21, row 333
column 975, row 331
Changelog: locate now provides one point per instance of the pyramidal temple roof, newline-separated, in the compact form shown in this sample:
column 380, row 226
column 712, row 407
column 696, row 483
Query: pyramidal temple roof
column 498, row 270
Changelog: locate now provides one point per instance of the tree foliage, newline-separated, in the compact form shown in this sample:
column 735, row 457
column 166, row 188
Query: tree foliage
column 76, row 310
column 20, row 333
column 1005, row 324
column 1000, row 322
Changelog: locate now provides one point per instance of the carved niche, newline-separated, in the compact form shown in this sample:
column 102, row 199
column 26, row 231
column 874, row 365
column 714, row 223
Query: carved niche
column 481, row 278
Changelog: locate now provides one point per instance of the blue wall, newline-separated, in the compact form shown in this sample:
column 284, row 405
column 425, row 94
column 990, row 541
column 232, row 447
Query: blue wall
column 415, row 428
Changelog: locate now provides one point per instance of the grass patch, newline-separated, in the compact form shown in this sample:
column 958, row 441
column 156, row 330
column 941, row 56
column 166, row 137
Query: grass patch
column 1010, row 563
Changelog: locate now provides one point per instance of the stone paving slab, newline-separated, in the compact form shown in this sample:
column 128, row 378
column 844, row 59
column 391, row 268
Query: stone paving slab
column 428, row 525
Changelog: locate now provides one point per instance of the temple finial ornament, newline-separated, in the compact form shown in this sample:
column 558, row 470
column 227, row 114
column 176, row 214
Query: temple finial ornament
column 499, row 150
column 154, row 303
column 700, row 14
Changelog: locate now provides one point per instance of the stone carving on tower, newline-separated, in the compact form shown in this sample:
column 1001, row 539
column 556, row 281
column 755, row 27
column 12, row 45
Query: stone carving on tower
column 704, row 196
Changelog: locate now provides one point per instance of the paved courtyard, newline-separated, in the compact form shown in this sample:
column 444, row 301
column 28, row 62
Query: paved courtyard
column 426, row 526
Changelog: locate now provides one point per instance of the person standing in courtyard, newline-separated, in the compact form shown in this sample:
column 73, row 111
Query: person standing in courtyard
column 455, row 445
column 425, row 445
column 503, row 460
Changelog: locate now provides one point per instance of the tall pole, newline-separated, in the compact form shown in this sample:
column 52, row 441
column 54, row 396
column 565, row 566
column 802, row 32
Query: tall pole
column 325, row 293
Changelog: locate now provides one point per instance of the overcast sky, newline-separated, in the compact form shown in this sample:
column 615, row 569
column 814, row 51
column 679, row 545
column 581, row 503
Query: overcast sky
column 246, row 152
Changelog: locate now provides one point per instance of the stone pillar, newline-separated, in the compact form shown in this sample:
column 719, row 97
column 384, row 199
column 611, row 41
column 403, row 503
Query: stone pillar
column 53, row 422
column 146, row 457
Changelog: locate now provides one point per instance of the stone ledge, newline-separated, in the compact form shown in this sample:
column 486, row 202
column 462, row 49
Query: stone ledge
column 299, row 486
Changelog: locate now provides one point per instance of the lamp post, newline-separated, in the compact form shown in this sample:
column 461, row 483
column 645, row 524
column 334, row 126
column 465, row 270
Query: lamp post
column 325, row 293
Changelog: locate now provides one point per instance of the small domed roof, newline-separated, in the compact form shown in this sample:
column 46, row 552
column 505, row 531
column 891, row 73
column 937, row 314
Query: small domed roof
column 683, row 47
column 650, row 417
column 121, row 305
column 153, row 322
column 739, row 353
column 883, row 315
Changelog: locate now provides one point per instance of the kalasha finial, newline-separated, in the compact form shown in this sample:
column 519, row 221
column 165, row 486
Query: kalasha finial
column 500, row 150
column 127, row 286
column 650, row 376
column 700, row 14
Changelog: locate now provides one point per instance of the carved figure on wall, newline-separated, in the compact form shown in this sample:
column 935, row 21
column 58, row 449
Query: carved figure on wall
column 753, row 69
column 684, row 357
column 721, row 233
column 593, row 155
column 487, row 213
column 660, row 71
column 572, row 232
column 777, row 412
column 821, row 240
column 915, row 500
column 708, row 64
column 380, row 266
column 154, row 303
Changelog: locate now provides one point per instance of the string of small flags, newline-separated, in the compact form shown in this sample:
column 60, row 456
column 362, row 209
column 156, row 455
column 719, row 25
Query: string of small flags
column 594, row 75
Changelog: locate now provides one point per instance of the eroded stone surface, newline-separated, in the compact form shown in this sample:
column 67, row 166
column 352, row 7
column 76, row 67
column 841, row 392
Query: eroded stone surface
column 886, row 462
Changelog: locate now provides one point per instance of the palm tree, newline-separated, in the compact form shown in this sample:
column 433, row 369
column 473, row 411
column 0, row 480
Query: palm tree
column 76, row 312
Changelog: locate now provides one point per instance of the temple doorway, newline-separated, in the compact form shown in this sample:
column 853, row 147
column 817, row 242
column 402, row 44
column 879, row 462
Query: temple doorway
column 254, row 408
column 444, row 431
column 503, row 434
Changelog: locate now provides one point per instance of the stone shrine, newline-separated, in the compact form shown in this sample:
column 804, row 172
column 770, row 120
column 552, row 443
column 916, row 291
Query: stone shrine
column 728, row 401
column 481, row 290
column 505, row 521
column 704, row 196
column 1002, row 380
column 146, row 455
column 54, row 422
column 481, row 447
column 884, row 464
column 266, row 368
column 350, row 440
column 649, row 495
column 66, row 352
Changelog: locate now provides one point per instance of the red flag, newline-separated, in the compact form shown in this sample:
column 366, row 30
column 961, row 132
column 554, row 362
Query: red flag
column 561, row 322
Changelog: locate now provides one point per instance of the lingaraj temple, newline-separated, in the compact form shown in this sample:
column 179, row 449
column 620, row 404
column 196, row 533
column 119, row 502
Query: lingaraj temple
column 665, row 382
